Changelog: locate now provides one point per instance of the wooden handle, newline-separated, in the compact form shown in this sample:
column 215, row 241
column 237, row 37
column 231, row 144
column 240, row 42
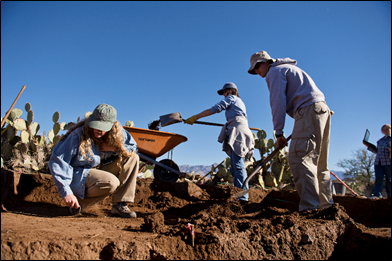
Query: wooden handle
column 344, row 184
column 12, row 106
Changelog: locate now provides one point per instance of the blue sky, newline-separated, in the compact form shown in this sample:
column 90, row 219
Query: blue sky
column 148, row 59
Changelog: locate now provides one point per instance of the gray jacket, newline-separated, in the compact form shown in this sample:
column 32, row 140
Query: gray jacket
column 290, row 89
column 236, row 135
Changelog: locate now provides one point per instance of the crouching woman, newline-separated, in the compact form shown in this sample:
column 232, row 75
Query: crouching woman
column 94, row 159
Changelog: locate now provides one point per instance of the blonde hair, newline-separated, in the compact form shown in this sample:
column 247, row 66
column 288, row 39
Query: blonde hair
column 385, row 125
column 113, row 138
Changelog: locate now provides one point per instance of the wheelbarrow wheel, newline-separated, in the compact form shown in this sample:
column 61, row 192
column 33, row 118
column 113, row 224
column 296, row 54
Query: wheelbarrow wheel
column 163, row 174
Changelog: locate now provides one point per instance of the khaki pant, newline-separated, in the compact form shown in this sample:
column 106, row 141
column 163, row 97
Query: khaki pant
column 308, row 156
column 107, row 180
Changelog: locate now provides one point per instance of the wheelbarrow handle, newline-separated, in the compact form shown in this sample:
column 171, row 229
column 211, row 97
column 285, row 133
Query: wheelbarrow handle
column 218, row 124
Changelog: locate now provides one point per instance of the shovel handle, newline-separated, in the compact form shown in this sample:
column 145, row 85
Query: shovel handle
column 218, row 124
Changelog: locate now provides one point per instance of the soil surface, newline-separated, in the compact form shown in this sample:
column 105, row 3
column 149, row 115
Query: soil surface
column 36, row 224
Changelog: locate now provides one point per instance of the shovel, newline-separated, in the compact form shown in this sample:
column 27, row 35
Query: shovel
column 256, row 170
column 175, row 117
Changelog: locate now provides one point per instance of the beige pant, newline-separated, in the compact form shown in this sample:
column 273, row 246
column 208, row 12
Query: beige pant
column 107, row 180
column 308, row 156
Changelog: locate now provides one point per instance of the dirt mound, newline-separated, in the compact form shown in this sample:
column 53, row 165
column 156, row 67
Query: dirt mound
column 35, row 224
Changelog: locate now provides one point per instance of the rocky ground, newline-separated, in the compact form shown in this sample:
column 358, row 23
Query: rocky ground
column 35, row 224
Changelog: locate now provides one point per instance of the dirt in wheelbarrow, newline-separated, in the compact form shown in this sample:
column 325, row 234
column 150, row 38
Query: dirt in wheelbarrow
column 35, row 224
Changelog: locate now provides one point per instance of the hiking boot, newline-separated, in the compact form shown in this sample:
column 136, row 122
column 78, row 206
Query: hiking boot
column 122, row 209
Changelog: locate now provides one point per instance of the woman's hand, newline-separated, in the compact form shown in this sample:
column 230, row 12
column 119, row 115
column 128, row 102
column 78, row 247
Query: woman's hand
column 191, row 120
column 106, row 147
column 71, row 201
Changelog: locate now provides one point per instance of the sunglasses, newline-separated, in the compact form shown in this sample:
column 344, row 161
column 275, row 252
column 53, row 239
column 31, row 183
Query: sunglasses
column 257, row 65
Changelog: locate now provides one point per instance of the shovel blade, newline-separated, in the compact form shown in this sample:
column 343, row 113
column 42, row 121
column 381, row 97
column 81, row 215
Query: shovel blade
column 170, row 118
column 242, row 193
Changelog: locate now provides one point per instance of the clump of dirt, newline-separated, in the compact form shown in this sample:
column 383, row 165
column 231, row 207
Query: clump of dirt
column 154, row 223
column 36, row 224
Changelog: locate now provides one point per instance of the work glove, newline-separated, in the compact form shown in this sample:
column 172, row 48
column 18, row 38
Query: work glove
column 191, row 120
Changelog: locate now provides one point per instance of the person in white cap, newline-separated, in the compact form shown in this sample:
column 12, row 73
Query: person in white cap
column 237, row 139
column 94, row 159
column 293, row 91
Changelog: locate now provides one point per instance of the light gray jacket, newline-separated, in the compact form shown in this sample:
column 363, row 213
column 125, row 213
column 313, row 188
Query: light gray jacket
column 290, row 89
column 236, row 135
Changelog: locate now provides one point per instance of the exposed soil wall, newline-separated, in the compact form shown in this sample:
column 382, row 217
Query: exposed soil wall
column 35, row 224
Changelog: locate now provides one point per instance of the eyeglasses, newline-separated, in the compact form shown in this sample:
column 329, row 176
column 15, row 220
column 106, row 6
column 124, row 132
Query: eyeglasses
column 257, row 65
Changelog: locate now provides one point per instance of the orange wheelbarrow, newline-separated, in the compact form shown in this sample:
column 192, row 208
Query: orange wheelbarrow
column 153, row 144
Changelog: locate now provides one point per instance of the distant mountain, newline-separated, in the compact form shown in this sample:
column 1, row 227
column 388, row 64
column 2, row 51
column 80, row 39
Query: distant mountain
column 198, row 169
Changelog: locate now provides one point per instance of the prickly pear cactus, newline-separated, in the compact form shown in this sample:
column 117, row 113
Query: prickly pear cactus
column 53, row 135
column 275, row 171
column 22, row 148
column 129, row 124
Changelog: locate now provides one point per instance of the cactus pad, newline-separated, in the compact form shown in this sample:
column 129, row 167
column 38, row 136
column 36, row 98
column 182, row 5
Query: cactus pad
column 30, row 117
column 20, row 124
column 129, row 124
column 276, row 168
column 24, row 136
column 261, row 134
column 87, row 114
column 27, row 106
column 51, row 135
column 227, row 162
column 56, row 139
column 15, row 114
column 33, row 129
column 270, row 143
column 56, row 128
column 56, row 117
column 11, row 132
column 6, row 150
